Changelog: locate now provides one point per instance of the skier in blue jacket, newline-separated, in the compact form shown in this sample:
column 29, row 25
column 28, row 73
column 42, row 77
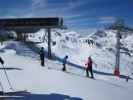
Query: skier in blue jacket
column 64, row 63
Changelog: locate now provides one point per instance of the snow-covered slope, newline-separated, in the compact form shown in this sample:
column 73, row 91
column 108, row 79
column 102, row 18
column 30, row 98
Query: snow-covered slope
column 48, row 84
column 101, row 48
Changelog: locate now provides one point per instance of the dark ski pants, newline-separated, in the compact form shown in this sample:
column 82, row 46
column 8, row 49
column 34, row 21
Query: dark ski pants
column 64, row 67
column 91, row 72
column 42, row 62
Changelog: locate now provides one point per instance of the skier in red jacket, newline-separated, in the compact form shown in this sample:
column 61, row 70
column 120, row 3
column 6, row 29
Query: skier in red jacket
column 88, row 69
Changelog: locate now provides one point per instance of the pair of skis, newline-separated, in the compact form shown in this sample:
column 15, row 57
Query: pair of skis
column 71, row 73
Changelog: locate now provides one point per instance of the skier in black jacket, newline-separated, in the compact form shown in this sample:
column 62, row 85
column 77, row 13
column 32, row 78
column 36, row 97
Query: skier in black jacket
column 42, row 55
column 1, row 61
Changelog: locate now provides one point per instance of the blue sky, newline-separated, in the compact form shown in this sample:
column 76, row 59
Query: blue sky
column 79, row 15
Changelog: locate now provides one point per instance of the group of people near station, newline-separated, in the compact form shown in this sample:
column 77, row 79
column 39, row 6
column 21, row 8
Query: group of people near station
column 88, row 64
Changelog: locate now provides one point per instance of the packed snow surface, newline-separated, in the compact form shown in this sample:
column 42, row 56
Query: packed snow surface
column 50, row 80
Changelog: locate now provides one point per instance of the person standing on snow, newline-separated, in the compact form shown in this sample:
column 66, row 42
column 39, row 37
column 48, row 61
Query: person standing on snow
column 64, row 63
column 88, row 69
column 42, row 55
column 1, row 61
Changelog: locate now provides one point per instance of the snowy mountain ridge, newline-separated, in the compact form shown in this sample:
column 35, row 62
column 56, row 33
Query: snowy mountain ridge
column 100, row 45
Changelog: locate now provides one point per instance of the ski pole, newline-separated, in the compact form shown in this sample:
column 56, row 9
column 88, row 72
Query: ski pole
column 2, row 88
column 8, row 78
column 83, row 71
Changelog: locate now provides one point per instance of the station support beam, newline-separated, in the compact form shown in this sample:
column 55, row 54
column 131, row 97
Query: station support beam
column 116, row 71
column 49, row 43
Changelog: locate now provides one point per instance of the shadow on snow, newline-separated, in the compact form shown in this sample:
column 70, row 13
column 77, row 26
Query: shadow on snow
column 52, row 96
